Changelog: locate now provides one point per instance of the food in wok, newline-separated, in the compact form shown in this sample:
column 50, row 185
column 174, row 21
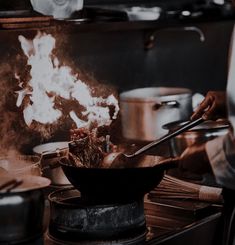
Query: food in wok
column 90, row 150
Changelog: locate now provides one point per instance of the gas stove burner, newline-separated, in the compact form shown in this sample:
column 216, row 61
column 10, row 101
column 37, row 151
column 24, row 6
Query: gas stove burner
column 72, row 219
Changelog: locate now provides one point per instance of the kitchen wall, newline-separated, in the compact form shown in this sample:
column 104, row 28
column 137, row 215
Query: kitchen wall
column 116, row 57
column 177, row 58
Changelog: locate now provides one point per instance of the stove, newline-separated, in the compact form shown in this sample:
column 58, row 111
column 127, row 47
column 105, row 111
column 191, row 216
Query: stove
column 163, row 220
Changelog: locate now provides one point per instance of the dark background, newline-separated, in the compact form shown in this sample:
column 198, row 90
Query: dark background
column 117, row 55
column 178, row 58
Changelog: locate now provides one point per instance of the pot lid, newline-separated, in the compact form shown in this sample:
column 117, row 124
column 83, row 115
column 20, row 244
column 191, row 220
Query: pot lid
column 23, row 184
column 51, row 147
column 207, row 125
column 154, row 93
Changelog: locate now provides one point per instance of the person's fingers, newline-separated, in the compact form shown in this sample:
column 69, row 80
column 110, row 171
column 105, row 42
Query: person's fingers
column 202, row 107
column 198, row 113
column 206, row 102
column 211, row 112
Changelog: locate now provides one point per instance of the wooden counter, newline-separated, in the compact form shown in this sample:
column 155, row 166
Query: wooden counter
column 183, row 222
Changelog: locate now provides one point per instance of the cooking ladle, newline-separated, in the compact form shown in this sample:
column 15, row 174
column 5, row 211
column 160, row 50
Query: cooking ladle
column 119, row 157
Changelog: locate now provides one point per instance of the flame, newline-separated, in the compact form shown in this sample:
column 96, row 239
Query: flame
column 49, row 81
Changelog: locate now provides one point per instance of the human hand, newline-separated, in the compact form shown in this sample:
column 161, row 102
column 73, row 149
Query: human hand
column 195, row 160
column 212, row 107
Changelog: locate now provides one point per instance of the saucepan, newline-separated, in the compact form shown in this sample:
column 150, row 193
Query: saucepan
column 50, row 154
column 21, row 208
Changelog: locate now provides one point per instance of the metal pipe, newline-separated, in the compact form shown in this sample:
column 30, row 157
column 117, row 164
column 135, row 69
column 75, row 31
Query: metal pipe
column 150, row 42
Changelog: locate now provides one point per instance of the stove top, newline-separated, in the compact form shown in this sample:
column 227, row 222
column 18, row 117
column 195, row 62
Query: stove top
column 164, row 218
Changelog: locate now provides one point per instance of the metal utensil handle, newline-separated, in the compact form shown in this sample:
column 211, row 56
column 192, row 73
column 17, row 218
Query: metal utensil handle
column 56, row 151
column 168, row 136
column 170, row 103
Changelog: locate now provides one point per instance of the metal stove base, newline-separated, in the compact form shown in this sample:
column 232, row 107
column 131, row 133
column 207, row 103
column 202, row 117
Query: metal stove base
column 74, row 219
column 138, row 240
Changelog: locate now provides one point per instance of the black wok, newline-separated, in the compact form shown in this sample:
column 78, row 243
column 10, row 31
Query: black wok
column 115, row 185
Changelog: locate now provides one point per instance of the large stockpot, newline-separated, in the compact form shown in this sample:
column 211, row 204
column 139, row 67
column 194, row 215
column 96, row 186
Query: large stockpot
column 145, row 110
column 200, row 134
column 22, row 210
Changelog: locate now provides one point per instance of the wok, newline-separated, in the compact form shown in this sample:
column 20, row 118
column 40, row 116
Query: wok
column 115, row 185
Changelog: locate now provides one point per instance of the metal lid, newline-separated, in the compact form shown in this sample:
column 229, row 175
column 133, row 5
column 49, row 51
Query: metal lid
column 153, row 94
column 51, row 147
column 207, row 125
column 23, row 184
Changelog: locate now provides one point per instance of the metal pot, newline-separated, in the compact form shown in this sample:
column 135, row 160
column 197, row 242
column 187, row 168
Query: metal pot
column 51, row 153
column 144, row 111
column 21, row 210
column 199, row 134
column 72, row 218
